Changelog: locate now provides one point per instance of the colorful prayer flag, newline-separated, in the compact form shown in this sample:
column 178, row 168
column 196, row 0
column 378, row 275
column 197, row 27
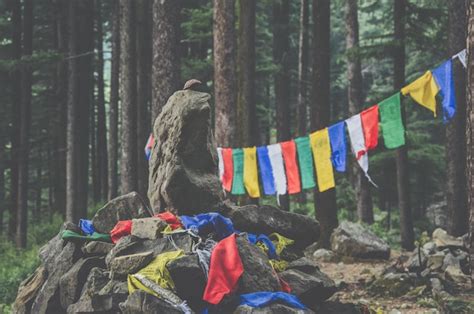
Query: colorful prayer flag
column 444, row 78
column 391, row 122
column 306, row 162
column 288, row 150
column 220, row 163
column 266, row 171
column 337, row 137
column 276, row 160
column 250, row 172
column 149, row 145
column 423, row 90
column 238, row 179
column 322, row 159
column 228, row 174
column 370, row 125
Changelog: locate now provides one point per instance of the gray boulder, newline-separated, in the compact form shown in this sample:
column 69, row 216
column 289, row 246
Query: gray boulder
column 443, row 240
column 148, row 228
column 96, row 280
column 97, row 248
column 183, row 164
column 352, row 239
column 121, row 266
column 28, row 290
column 323, row 255
column 275, row 308
column 141, row 302
column 124, row 207
column 111, row 295
column 268, row 219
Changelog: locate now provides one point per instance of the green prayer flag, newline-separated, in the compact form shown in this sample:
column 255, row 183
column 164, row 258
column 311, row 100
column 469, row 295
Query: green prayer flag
column 71, row 235
column 238, row 181
column 305, row 159
column 391, row 122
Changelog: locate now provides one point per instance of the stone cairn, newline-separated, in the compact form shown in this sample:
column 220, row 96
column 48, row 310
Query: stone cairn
column 80, row 276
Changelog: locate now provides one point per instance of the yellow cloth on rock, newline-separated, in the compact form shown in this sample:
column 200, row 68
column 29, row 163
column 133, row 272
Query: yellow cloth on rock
column 280, row 242
column 423, row 90
column 279, row 265
column 157, row 272
column 322, row 159
column 250, row 172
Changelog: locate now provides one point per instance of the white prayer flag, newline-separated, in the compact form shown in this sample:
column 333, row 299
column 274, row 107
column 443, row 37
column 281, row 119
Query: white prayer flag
column 276, row 160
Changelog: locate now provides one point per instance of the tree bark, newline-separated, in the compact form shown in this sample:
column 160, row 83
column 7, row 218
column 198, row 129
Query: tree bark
column 325, row 202
column 355, row 100
column 302, row 109
column 166, row 53
column 225, row 84
column 469, row 130
column 406, row 223
column 114, row 105
column 25, row 122
column 458, row 222
column 128, row 96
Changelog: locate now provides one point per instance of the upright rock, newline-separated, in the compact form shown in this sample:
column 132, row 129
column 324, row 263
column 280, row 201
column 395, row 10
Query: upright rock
column 183, row 165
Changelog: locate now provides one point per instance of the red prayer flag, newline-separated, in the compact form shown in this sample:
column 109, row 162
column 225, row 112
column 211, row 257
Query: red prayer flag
column 288, row 150
column 370, row 124
column 225, row 269
column 228, row 175
column 122, row 228
column 170, row 219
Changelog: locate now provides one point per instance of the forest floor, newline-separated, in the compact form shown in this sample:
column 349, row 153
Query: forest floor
column 354, row 277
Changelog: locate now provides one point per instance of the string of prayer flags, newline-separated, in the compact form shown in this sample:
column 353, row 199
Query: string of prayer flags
column 423, row 90
column 337, row 138
column 444, row 78
column 220, row 163
column 356, row 135
column 322, row 159
column 251, row 172
column 288, row 150
column 305, row 160
column 228, row 174
column 149, row 145
column 266, row 171
column 461, row 55
column 391, row 122
column 276, row 160
column 238, row 179
column 370, row 125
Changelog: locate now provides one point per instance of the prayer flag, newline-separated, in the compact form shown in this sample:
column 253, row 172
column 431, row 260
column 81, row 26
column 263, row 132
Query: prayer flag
column 266, row 171
column 391, row 122
column 444, row 78
column 228, row 174
column 288, row 150
column 370, row 125
column 423, row 90
column 250, row 172
column 276, row 160
column 238, row 178
column 221, row 163
column 461, row 55
column 306, row 162
column 149, row 145
column 322, row 159
column 337, row 137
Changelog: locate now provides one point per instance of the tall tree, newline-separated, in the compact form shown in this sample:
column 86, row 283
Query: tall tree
column 355, row 100
column 469, row 129
column 303, row 49
column 455, row 130
column 225, row 84
column 143, row 37
column 406, row 223
column 325, row 202
column 166, row 57
column 114, row 105
column 128, row 96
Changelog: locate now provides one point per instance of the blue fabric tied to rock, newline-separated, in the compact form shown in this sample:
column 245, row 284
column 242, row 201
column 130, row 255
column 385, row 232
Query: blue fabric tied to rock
column 266, row 171
column 86, row 226
column 444, row 78
column 261, row 299
column 207, row 223
column 265, row 240
column 337, row 138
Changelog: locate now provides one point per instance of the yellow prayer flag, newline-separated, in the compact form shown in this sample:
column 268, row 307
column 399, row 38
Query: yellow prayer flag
column 250, row 172
column 423, row 90
column 321, row 148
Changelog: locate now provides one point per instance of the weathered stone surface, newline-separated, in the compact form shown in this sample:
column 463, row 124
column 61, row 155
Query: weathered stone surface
column 332, row 307
column 141, row 302
column 258, row 274
column 436, row 214
column 97, row 248
column 124, row 207
column 352, row 239
column 50, row 251
column 394, row 284
column 275, row 308
column 111, row 295
column 71, row 283
column 183, row 164
column 323, row 255
column 189, row 280
column 443, row 240
column 455, row 275
column 267, row 219
column 148, row 228
column 47, row 299
column 96, row 280
column 28, row 290
column 129, row 264
column 435, row 261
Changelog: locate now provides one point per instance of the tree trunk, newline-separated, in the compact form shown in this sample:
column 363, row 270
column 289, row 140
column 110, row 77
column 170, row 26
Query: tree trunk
column 94, row 158
column 25, row 122
column 302, row 109
column 469, row 130
column 455, row 130
column 128, row 96
column 225, row 85
column 114, row 105
column 165, row 76
column 403, row 188
column 39, row 185
column 355, row 100
column 325, row 202
column 2, row 179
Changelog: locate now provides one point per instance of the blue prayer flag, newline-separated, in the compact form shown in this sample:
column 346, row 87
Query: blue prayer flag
column 266, row 171
column 86, row 226
column 207, row 223
column 444, row 78
column 261, row 299
column 337, row 137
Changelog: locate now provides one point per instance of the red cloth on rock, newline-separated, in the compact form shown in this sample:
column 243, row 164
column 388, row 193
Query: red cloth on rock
column 225, row 270
column 170, row 219
column 121, row 229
